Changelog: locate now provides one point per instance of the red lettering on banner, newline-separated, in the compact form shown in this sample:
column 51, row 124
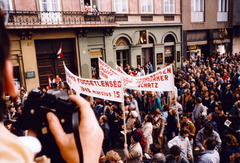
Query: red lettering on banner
column 83, row 89
column 115, row 83
column 160, row 72
column 102, row 84
column 161, row 78
column 119, row 84
column 147, row 85
column 166, row 77
column 168, row 70
column 102, row 93
column 164, row 71
column 69, row 81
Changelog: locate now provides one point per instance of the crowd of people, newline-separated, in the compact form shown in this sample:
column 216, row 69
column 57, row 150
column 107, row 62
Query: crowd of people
column 202, row 117
column 203, row 120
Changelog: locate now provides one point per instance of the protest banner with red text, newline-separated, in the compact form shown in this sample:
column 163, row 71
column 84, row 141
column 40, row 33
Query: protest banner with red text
column 110, row 89
column 162, row 80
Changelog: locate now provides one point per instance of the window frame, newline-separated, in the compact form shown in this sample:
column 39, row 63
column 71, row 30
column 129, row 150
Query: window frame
column 169, row 6
column 144, row 3
column 49, row 4
column 10, row 4
column 120, row 6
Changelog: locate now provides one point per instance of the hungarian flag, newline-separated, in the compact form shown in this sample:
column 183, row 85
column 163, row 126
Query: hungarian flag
column 59, row 53
column 49, row 82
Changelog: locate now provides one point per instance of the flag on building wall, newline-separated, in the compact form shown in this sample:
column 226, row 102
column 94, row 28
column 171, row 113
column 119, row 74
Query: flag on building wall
column 59, row 53
column 49, row 82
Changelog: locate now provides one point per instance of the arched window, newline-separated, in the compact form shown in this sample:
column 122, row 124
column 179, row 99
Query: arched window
column 122, row 41
column 169, row 38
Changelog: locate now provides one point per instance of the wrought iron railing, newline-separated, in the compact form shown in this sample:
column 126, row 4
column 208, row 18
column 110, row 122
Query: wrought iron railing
column 59, row 17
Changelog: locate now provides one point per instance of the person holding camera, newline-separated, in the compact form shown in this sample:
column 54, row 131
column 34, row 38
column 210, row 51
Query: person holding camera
column 13, row 150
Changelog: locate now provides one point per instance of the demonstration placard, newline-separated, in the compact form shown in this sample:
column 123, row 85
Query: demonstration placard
column 162, row 80
column 110, row 89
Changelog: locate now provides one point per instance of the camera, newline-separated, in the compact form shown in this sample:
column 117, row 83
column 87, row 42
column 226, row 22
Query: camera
column 34, row 117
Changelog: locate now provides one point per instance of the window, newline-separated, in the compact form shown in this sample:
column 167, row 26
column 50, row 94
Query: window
column 49, row 5
column 146, row 6
column 197, row 10
column 122, row 57
column 6, row 5
column 121, row 6
column 169, row 6
column 198, row 5
column 222, row 14
column 222, row 5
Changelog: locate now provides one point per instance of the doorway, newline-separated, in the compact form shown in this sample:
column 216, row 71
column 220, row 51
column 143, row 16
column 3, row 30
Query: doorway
column 47, row 61
column 122, row 57
column 147, row 55
column 169, row 54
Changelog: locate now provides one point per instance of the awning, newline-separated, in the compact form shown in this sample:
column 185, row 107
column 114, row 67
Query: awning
column 221, row 41
column 196, row 43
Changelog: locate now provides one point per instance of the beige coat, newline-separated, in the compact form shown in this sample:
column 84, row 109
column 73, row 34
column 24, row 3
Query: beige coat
column 134, row 153
column 12, row 150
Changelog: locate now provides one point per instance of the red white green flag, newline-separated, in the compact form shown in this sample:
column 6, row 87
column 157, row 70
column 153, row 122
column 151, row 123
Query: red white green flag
column 49, row 82
column 59, row 53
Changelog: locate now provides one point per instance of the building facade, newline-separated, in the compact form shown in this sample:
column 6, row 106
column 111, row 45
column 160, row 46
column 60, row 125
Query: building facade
column 207, row 27
column 118, row 31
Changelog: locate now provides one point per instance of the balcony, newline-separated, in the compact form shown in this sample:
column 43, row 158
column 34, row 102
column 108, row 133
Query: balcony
column 61, row 19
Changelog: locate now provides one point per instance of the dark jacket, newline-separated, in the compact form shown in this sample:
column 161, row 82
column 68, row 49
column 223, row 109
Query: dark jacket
column 227, row 153
column 170, row 159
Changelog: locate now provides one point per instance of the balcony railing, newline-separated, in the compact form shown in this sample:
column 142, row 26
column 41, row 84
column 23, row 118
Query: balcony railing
column 16, row 18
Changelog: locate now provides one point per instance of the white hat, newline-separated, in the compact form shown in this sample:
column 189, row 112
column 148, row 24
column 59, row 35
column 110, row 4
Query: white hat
column 134, row 114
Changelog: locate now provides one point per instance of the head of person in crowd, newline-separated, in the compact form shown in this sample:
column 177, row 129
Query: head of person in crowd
column 184, row 132
column 113, row 157
column 148, row 118
column 19, row 110
column 230, row 140
column 175, row 151
column 135, row 138
column 198, row 100
column 185, row 118
column 8, row 124
column 210, row 116
column 209, row 144
column 159, row 158
column 154, row 148
column 165, row 107
column 157, row 112
column 218, row 109
column 136, row 124
column 208, row 129
column 6, row 69
column 103, row 119
column 128, row 99
column 113, row 107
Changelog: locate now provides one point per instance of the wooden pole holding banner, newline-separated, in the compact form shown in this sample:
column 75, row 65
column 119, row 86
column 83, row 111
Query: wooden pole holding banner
column 177, row 110
column 124, row 117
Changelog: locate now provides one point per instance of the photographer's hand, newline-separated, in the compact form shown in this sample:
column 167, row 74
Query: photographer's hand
column 91, row 134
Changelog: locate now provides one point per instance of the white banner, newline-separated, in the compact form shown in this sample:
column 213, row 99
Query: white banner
column 110, row 89
column 162, row 80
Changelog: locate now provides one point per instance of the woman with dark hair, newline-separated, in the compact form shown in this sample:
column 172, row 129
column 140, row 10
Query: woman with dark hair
column 232, row 147
column 147, row 129
column 137, row 131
